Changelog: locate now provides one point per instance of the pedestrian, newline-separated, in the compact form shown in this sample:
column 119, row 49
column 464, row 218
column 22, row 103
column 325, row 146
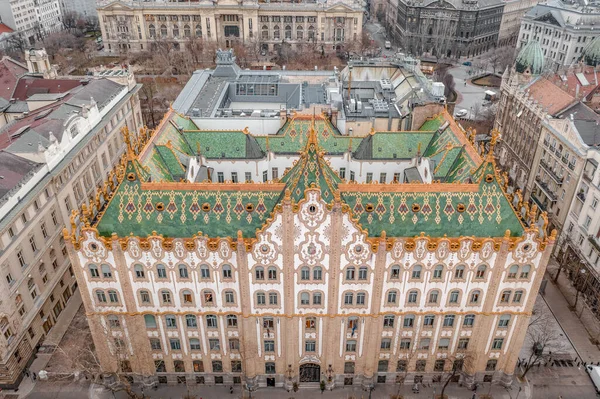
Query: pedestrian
column 34, row 376
column 231, row 389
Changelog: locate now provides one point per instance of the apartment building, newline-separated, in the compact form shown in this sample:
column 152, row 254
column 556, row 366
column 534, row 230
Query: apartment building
column 63, row 145
column 513, row 12
column 563, row 30
column 34, row 19
column 326, row 26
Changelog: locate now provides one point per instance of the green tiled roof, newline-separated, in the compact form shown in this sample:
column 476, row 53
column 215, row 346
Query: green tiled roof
column 133, row 211
column 171, row 161
column 311, row 170
column 223, row 144
column 487, row 212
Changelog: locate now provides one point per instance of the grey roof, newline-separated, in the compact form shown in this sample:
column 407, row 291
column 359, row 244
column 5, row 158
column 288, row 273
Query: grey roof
column 187, row 96
column 460, row 4
column 46, row 96
column 13, row 170
column 313, row 94
column 18, row 107
column 586, row 121
column 3, row 104
column 562, row 14
column 102, row 90
column 412, row 174
column 253, row 150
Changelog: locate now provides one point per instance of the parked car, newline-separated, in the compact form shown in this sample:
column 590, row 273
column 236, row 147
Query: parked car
column 467, row 63
column 388, row 45
column 461, row 113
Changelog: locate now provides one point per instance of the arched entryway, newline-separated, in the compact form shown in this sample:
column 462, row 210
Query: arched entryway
column 310, row 372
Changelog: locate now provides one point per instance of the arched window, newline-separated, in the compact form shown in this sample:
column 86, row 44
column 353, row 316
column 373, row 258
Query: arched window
column 449, row 320
column 317, row 273
column 434, row 296
column 150, row 321
column 518, row 296
column 362, row 273
column 191, row 321
column 475, row 296
column 525, row 271
column 265, row 32
column 166, row 297
column 388, row 321
column 273, row 298
column 229, row 296
column 504, row 320
column 272, row 273
column 416, row 272
column 350, row 271
column 412, row 296
column 276, row 34
column 512, row 272
column 361, row 298
column 311, row 33
column 260, row 298
column 176, row 31
column 259, row 272
column 348, row 298
column 454, row 295
column 211, row 321
column 395, row 273
column 305, row 273
column 106, row 272
column 161, row 271
column 304, row 298
column 353, row 323
column 392, row 296
column 183, row 271
column 204, row 271
column 437, row 272
column 94, row 271
column 288, row 32
column 187, row 32
column 227, row 272
column 188, row 298
column 480, row 272
column 459, row 272
column 139, row 271
column 232, row 321
column 316, row 298
column 112, row 296
column 163, row 31
column 101, row 296
column 198, row 30
column 171, row 321
column 152, row 31
column 409, row 321
column 208, row 297
column 469, row 320
column 300, row 33
column 505, row 297
column 42, row 268
column 145, row 296
column 113, row 321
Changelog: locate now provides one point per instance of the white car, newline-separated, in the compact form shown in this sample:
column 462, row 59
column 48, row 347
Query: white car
column 388, row 45
column 461, row 113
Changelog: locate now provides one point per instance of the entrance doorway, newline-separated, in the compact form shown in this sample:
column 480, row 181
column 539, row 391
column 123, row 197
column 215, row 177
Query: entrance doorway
column 271, row 382
column 310, row 372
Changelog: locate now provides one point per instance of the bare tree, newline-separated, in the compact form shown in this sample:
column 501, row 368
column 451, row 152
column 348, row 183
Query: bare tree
column 475, row 110
column 542, row 338
column 458, row 363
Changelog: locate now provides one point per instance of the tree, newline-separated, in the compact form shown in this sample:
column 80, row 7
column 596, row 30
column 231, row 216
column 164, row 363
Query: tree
column 147, row 103
column 542, row 338
column 70, row 20
column 16, row 45
column 459, row 362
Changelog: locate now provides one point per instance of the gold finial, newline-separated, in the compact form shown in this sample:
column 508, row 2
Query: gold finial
column 65, row 233
column 553, row 234
column 372, row 132
column 246, row 130
column 312, row 134
column 240, row 236
column 495, row 134
column 507, row 233
column 198, row 148
column 383, row 235
column 288, row 194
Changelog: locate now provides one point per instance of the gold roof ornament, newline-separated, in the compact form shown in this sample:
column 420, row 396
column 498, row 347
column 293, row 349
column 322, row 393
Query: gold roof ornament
column 494, row 139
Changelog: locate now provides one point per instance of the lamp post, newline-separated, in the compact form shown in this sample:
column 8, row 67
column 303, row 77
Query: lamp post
column 371, row 388
column 577, row 284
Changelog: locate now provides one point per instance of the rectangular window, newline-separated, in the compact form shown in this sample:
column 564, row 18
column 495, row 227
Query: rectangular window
column 214, row 344
column 269, row 346
column 275, row 173
column 265, row 176
column 369, row 177
column 343, row 173
column 21, row 259
column 248, row 177
column 405, row 343
column 175, row 344
column 44, row 231
column 234, row 177
column 498, row 343
column 220, row 177
column 32, row 244
column 310, row 346
column 54, row 219
column 382, row 178
column 463, row 343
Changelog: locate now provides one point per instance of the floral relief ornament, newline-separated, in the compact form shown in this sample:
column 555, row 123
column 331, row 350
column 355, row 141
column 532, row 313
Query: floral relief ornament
column 94, row 250
column 487, row 250
column 179, row 250
column 264, row 251
column 156, row 248
column 398, row 250
column 134, row 249
column 311, row 250
column 201, row 249
column 526, row 249
column 443, row 250
column 358, row 250
column 465, row 249
column 421, row 249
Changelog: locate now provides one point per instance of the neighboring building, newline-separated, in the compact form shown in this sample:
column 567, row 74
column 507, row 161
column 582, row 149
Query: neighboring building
column 301, row 253
column 34, row 19
column 53, row 155
column 136, row 26
column 83, row 8
column 511, row 20
column 562, row 29
column 374, row 94
column 5, row 33
column 450, row 28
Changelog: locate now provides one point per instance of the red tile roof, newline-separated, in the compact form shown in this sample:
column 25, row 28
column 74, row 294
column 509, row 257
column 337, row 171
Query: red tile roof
column 5, row 29
column 10, row 72
column 549, row 96
column 29, row 85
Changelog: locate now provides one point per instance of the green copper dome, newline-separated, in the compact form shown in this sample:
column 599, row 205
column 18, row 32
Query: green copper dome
column 532, row 57
column 591, row 53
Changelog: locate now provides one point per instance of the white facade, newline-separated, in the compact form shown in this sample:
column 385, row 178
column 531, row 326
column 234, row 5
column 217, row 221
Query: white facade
column 34, row 19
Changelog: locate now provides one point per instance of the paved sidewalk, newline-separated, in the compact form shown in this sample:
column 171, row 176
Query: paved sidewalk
column 53, row 338
column 570, row 323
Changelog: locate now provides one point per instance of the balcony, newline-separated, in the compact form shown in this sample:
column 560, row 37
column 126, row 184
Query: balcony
column 581, row 196
column 537, row 201
column 545, row 189
column 594, row 242
column 553, row 175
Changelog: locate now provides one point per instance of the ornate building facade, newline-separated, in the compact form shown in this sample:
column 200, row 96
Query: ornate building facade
column 136, row 26
column 227, row 257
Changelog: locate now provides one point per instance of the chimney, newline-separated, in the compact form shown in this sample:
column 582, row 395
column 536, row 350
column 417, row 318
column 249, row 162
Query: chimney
column 577, row 92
